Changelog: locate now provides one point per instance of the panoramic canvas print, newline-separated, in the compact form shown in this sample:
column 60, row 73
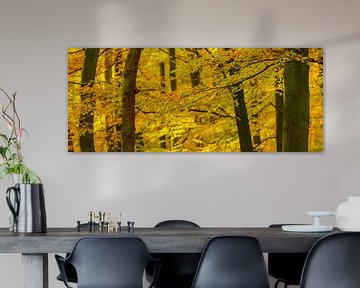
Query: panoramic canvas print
column 195, row 100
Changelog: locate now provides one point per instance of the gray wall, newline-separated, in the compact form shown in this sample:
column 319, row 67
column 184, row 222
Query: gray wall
column 211, row 189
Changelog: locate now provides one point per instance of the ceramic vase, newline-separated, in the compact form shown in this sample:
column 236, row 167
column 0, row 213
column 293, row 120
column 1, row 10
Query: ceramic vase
column 348, row 214
column 13, row 179
column 27, row 204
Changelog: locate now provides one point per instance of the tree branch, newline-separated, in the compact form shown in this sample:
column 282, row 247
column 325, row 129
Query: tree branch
column 209, row 112
column 74, row 71
column 261, row 142
column 176, row 57
column 77, row 51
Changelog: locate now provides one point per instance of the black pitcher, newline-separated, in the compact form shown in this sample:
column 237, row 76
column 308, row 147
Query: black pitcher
column 28, row 207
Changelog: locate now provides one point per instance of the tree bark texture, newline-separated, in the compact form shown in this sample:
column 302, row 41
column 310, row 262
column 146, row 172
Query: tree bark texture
column 241, row 114
column 173, row 83
column 70, row 141
column 242, row 119
column 117, row 80
column 162, row 77
column 279, row 110
column 128, row 100
column 108, row 66
column 88, row 74
column 297, row 104
column 118, row 69
column 112, row 135
column 195, row 78
column 195, row 74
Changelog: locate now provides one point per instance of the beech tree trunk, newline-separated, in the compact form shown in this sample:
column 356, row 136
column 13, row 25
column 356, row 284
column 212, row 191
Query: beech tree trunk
column 195, row 78
column 279, row 110
column 240, row 109
column 162, row 77
column 242, row 119
column 241, row 114
column 87, row 99
column 195, row 74
column 128, row 100
column 117, row 80
column 111, row 136
column 108, row 66
column 297, row 104
column 173, row 84
column 70, row 141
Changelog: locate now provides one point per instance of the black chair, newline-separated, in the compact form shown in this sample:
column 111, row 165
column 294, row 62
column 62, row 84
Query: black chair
column 333, row 262
column 69, row 269
column 108, row 263
column 178, row 269
column 286, row 267
column 232, row 262
column 70, row 273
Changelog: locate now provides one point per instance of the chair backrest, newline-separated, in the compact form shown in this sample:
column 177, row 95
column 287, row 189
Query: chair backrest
column 110, row 262
column 232, row 262
column 286, row 266
column 333, row 262
column 176, row 224
column 178, row 269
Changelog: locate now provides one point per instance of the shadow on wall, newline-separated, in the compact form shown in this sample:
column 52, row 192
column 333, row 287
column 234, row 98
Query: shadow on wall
column 137, row 22
column 339, row 40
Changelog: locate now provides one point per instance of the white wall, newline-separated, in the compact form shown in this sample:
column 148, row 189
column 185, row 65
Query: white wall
column 211, row 189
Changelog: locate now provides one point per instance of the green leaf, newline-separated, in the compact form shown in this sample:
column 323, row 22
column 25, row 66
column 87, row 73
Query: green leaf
column 4, row 137
column 3, row 151
column 3, row 173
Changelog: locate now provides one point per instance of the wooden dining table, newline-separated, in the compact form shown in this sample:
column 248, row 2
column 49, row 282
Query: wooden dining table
column 35, row 247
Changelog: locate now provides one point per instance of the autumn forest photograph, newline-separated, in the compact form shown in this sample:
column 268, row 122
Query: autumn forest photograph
column 195, row 100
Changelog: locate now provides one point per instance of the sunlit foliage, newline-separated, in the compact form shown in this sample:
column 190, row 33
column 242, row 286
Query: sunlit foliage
column 199, row 115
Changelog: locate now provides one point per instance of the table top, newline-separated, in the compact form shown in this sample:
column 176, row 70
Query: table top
column 158, row 240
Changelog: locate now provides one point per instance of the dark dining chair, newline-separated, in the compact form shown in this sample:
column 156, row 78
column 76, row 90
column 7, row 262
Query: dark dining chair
column 232, row 262
column 286, row 267
column 69, row 269
column 333, row 262
column 178, row 269
column 108, row 263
